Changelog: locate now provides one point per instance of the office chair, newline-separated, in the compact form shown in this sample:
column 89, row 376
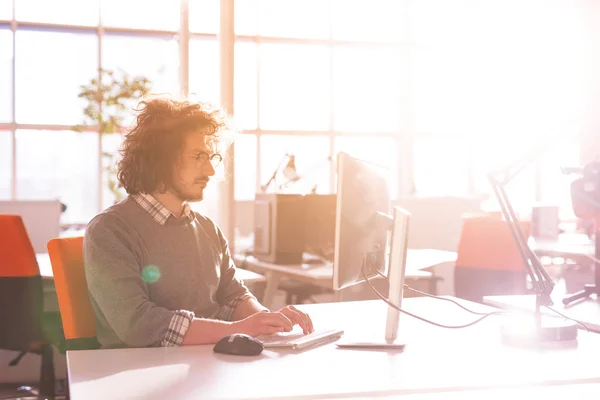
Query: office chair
column 24, row 326
column 78, row 317
column 488, row 260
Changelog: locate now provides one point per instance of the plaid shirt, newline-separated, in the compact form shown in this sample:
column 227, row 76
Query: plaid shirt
column 182, row 319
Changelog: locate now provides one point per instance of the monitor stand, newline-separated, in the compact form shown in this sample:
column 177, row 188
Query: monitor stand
column 396, row 274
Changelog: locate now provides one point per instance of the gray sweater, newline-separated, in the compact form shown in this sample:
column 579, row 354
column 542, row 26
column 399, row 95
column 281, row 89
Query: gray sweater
column 140, row 272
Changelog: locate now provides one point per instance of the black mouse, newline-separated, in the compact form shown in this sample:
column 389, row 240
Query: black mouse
column 239, row 344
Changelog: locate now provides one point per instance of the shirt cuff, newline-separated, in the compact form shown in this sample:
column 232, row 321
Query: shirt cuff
column 180, row 322
column 226, row 312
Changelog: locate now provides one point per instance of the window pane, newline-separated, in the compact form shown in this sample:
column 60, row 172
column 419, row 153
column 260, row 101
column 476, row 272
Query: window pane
column 245, row 167
column 6, row 10
column 245, row 85
column 521, row 78
column 6, row 54
column 50, row 67
column 369, row 20
column 205, row 16
column 294, row 87
column 497, row 154
column 204, row 70
column 62, row 165
column 311, row 159
column 246, row 17
column 441, row 167
column 155, row 58
column 294, row 18
column 141, row 14
column 67, row 12
column 556, row 186
column 110, row 145
column 5, row 164
column 368, row 88
column 379, row 150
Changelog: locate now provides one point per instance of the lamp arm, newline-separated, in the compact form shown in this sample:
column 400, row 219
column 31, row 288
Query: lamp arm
column 272, row 178
column 541, row 280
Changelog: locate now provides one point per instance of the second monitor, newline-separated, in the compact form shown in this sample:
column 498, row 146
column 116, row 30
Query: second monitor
column 365, row 234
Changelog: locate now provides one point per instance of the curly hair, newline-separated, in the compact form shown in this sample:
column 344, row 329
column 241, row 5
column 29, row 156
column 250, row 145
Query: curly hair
column 151, row 148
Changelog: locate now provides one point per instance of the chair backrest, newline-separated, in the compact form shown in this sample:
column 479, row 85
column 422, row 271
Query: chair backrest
column 41, row 219
column 486, row 243
column 488, row 260
column 78, row 317
column 17, row 257
column 21, row 291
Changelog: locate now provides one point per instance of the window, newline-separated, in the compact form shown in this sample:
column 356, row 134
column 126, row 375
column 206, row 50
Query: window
column 372, row 20
column 294, row 18
column 67, row 12
column 497, row 154
column 141, row 14
column 246, row 17
column 556, row 186
column 6, row 76
column 61, row 165
column 204, row 70
column 294, row 87
column 110, row 145
column 6, row 10
column 156, row 58
column 245, row 86
column 50, row 67
column 441, row 167
column 5, row 164
column 205, row 16
column 367, row 89
column 311, row 159
column 245, row 167
column 378, row 150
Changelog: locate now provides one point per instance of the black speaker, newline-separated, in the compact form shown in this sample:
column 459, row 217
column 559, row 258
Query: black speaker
column 279, row 228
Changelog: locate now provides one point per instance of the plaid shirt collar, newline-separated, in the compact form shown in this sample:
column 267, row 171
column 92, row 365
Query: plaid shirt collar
column 159, row 212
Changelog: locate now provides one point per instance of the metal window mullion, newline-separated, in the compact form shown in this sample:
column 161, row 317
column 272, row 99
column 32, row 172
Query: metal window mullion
column 13, row 182
column 332, row 168
column 184, row 48
column 226, row 44
column 100, row 33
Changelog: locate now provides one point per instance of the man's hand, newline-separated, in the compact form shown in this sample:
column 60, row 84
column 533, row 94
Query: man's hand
column 263, row 323
column 298, row 317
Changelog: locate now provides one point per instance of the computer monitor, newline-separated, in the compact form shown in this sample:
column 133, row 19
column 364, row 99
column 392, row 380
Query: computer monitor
column 365, row 233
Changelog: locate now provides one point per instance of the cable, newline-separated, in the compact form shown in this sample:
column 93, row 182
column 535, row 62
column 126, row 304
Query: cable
column 436, row 297
column 571, row 319
column 389, row 303
column 456, row 303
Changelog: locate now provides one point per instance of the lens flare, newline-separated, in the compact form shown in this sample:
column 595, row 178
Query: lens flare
column 151, row 274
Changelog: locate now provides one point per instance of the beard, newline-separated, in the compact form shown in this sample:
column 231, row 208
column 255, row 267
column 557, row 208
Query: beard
column 191, row 193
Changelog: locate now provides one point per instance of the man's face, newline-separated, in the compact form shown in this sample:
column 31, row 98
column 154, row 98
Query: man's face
column 193, row 169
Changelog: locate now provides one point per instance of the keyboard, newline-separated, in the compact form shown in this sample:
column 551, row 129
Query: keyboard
column 298, row 341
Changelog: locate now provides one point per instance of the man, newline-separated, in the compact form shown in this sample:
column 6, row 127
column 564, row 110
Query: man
column 158, row 273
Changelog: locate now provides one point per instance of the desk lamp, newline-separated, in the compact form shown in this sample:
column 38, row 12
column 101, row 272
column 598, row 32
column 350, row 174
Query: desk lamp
column 289, row 171
column 539, row 330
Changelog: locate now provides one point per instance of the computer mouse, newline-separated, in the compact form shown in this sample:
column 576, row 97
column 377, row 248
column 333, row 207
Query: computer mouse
column 239, row 344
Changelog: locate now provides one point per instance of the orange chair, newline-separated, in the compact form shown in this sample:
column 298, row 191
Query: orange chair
column 78, row 317
column 24, row 326
column 488, row 260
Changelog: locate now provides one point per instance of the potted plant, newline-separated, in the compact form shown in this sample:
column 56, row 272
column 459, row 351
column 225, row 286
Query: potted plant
column 109, row 100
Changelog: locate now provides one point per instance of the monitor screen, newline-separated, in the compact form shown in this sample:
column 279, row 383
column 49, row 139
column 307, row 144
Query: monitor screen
column 361, row 235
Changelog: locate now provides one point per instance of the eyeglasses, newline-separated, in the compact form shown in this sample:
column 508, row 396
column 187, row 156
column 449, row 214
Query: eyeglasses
column 202, row 157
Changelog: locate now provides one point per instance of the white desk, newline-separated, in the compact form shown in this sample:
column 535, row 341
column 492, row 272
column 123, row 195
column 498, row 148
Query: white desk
column 322, row 275
column 435, row 360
